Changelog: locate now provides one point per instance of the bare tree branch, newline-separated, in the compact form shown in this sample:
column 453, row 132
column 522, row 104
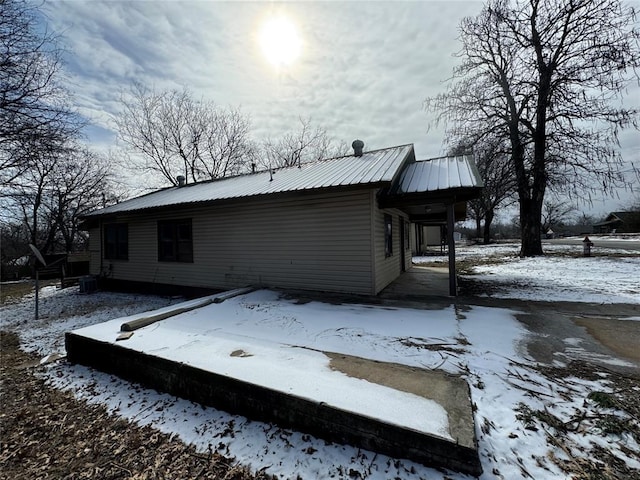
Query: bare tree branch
column 176, row 135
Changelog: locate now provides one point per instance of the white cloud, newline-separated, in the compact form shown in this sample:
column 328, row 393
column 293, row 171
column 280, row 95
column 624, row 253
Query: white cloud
column 364, row 70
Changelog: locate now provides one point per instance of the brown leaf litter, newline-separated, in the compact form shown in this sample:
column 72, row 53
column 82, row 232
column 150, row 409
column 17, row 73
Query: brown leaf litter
column 46, row 433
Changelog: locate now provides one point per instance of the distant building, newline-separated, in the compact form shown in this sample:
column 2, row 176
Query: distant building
column 619, row 222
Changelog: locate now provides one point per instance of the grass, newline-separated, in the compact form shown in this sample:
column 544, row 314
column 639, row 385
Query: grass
column 15, row 291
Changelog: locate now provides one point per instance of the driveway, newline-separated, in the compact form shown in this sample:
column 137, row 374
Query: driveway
column 597, row 333
column 601, row 334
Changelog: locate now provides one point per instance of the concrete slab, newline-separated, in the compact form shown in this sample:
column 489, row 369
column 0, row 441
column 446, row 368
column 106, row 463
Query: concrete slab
column 450, row 391
column 293, row 411
column 419, row 282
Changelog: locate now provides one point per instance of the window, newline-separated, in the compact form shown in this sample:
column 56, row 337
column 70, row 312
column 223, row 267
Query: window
column 175, row 243
column 407, row 240
column 116, row 241
column 388, row 235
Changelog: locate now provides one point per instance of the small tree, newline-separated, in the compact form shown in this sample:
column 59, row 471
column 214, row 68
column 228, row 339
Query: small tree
column 492, row 158
column 556, row 213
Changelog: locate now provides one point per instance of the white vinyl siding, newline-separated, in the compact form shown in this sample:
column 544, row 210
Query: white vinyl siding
column 387, row 269
column 309, row 241
column 95, row 242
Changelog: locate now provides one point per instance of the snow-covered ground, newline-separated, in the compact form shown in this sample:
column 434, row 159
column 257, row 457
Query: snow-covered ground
column 238, row 339
column 485, row 345
column 609, row 277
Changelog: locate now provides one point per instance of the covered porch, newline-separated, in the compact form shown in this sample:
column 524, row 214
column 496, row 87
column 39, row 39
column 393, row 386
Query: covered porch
column 434, row 192
column 417, row 283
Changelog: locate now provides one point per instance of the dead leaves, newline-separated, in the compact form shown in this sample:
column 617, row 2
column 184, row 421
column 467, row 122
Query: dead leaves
column 48, row 434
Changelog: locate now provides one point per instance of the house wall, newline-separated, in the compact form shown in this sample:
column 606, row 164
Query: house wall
column 310, row 241
column 387, row 269
column 94, row 250
column 430, row 237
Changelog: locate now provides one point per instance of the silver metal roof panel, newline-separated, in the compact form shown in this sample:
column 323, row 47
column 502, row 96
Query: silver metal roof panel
column 379, row 166
column 438, row 174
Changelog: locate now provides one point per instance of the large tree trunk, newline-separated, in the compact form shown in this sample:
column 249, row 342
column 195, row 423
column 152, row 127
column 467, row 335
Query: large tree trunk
column 530, row 232
column 488, row 218
column 531, row 208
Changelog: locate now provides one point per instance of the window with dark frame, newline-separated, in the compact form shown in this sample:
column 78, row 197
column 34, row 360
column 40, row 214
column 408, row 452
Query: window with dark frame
column 116, row 241
column 175, row 241
column 388, row 235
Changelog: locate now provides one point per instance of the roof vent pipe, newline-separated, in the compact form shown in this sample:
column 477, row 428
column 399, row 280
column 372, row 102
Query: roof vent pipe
column 357, row 146
column 181, row 180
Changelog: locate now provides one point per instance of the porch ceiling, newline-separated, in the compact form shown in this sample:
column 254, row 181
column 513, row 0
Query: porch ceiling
column 434, row 213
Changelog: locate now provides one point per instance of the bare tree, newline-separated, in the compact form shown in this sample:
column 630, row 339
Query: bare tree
column 308, row 144
column 63, row 183
column 543, row 73
column 84, row 182
column 228, row 149
column 176, row 135
column 33, row 103
column 492, row 158
column 26, row 198
column 556, row 212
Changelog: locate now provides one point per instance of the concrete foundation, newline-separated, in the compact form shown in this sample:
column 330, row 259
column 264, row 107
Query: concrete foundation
column 290, row 411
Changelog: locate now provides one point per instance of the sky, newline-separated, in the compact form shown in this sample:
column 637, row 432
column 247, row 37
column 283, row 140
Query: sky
column 361, row 69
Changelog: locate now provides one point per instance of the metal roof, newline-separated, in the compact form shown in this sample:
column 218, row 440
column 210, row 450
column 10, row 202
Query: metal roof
column 437, row 174
column 376, row 167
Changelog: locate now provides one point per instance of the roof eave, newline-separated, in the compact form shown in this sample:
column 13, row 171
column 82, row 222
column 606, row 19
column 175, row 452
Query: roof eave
column 449, row 195
column 226, row 201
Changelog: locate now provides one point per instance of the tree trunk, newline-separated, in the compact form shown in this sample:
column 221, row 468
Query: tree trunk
column 530, row 232
column 487, row 226
column 478, row 227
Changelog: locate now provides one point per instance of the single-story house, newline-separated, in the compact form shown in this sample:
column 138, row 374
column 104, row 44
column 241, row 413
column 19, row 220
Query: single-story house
column 338, row 225
column 619, row 222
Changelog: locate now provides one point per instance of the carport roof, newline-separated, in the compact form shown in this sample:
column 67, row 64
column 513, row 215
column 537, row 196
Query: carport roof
column 438, row 174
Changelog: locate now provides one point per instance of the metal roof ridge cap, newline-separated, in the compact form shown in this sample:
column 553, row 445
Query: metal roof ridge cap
column 475, row 173
column 409, row 158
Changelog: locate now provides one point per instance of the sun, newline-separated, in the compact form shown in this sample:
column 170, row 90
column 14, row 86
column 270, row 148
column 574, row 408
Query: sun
column 280, row 42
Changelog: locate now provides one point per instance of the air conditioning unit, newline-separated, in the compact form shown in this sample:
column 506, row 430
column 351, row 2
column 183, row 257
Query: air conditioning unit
column 88, row 284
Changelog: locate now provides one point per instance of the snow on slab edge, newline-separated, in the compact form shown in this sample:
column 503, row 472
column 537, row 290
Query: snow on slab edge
column 290, row 370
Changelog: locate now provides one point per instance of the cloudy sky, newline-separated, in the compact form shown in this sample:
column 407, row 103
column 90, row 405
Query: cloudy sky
column 363, row 69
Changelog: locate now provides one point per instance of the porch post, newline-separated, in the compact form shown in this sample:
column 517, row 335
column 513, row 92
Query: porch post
column 453, row 290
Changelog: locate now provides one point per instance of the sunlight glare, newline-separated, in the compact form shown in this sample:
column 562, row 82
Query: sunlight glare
column 280, row 41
